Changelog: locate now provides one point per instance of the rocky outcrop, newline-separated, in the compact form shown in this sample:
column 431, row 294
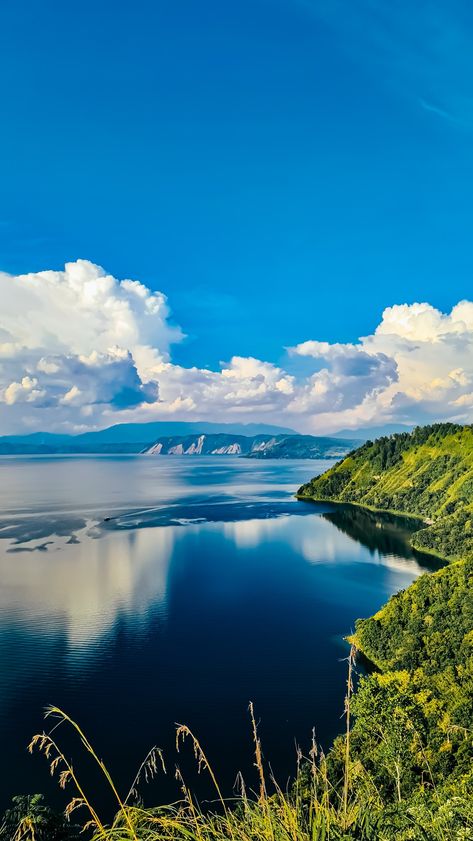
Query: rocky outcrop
column 259, row 446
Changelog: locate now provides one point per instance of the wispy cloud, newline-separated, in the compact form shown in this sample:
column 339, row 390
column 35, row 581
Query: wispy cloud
column 422, row 51
column 440, row 112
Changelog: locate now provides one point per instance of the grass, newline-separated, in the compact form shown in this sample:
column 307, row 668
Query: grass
column 308, row 810
column 315, row 807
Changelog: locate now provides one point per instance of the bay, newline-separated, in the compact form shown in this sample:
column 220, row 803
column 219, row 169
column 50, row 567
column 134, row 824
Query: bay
column 138, row 592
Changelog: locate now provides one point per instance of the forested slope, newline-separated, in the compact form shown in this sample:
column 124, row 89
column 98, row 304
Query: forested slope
column 413, row 716
column 427, row 473
column 418, row 709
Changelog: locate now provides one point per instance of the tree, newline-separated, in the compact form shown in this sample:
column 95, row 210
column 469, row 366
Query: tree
column 29, row 818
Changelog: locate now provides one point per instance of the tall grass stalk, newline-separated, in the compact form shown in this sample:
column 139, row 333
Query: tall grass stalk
column 315, row 807
column 349, row 692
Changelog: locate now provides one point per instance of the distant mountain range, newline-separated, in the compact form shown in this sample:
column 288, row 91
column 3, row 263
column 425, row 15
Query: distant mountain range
column 126, row 437
column 258, row 446
column 365, row 433
column 180, row 437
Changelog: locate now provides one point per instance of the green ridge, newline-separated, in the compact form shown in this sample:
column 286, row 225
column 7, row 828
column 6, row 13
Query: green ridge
column 416, row 710
column 427, row 473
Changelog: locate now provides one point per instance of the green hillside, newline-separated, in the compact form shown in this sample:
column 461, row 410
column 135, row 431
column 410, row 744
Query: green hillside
column 427, row 473
column 413, row 714
column 418, row 706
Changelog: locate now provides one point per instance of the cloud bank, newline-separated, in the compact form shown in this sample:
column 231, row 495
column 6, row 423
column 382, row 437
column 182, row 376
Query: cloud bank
column 81, row 349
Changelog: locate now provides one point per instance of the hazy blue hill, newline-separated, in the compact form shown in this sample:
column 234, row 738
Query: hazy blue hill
column 126, row 437
column 363, row 433
column 304, row 446
column 148, row 432
column 36, row 439
column 257, row 440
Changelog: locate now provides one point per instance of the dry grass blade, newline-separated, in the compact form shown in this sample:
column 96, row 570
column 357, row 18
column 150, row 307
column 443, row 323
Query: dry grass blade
column 47, row 745
column 314, row 807
column 25, row 831
column 183, row 732
column 258, row 754
column 263, row 800
column 346, row 780
column 147, row 770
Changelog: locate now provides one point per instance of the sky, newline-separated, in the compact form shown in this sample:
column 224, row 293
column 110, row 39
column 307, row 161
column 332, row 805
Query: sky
column 206, row 206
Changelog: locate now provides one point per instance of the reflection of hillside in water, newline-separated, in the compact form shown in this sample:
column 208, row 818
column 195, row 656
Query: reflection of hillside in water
column 377, row 531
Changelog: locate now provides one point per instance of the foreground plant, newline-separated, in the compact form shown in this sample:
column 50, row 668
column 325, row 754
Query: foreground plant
column 333, row 798
column 29, row 817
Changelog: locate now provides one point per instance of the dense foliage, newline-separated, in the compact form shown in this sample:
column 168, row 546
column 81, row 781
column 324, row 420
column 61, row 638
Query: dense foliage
column 29, row 817
column 413, row 716
column 422, row 643
column 427, row 473
column 353, row 794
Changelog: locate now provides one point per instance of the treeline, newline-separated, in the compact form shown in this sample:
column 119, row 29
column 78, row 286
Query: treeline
column 427, row 473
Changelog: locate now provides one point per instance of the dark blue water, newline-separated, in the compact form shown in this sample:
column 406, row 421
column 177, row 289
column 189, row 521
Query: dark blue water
column 139, row 592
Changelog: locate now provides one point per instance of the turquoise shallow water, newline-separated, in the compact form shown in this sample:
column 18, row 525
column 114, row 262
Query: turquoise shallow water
column 137, row 592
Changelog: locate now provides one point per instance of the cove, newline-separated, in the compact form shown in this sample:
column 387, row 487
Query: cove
column 140, row 592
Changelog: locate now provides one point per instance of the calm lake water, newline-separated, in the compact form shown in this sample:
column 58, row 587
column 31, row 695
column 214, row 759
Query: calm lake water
column 206, row 587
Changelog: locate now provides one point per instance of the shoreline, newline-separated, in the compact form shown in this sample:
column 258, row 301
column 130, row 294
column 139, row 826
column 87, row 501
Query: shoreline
column 362, row 505
column 445, row 559
column 353, row 639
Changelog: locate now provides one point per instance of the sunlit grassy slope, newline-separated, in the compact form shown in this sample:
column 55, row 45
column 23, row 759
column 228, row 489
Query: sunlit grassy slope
column 427, row 473
column 422, row 640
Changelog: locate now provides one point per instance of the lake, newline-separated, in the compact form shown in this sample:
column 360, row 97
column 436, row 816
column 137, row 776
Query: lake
column 137, row 592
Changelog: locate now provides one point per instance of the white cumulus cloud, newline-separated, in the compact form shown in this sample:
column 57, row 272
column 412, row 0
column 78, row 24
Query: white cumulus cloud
column 432, row 357
column 81, row 349
column 71, row 342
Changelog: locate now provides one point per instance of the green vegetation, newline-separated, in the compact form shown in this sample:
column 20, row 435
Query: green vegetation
column 337, row 797
column 29, row 817
column 416, row 711
column 403, row 769
column 427, row 473
column 419, row 706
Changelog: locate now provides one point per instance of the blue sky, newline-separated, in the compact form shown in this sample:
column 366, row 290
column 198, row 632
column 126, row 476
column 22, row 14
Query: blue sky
column 282, row 170
column 247, row 158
